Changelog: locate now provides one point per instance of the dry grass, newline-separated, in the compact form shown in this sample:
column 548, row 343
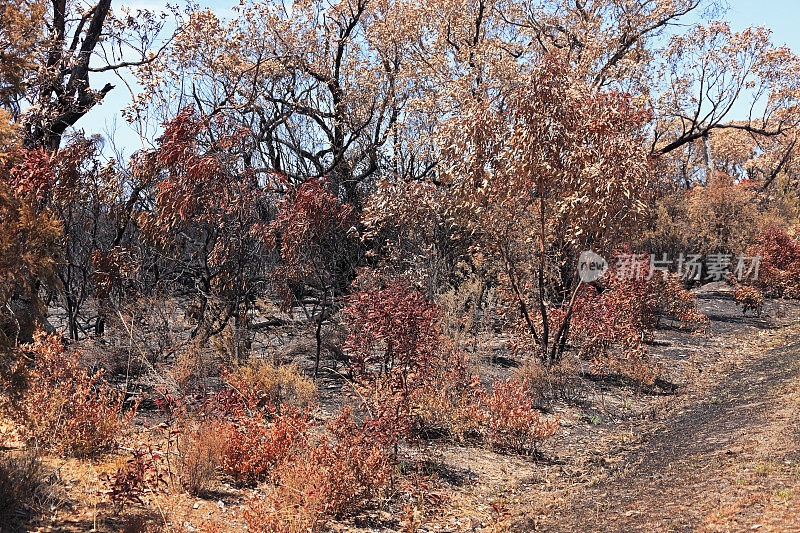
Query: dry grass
column 275, row 385
column 24, row 485
column 764, row 492
column 194, row 366
column 200, row 452
column 546, row 385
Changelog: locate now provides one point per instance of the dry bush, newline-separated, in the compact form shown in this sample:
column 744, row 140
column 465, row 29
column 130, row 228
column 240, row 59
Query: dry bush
column 268, row 384
column 64, row 408
column 23, row 484
column 611, row 318
column 200, row 451
column 231, row 345
column 437, row 407
column 722, row 217
column 454, row 403
column 748, row 297
column 347, row 470
column 194, row 366
column 356, row 464
column 276, row 515
column 139, row 523
column 670, row 299
column 144, row 472
column 152, row 522
column 634, row 364
column 558, row 382
column 465, row 308
column 611, row 321
column 140, row 335
column 626, row 311
column 415, row 383
column 393, row 343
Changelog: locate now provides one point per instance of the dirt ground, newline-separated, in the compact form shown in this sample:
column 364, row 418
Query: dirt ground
column 716, row 449
column 723, row 454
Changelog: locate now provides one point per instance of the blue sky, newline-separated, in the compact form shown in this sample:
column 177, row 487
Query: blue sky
column 781, row 16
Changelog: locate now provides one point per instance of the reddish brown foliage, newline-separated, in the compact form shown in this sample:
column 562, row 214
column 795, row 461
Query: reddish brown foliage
column 306, row 215
column 143, row 472
column 111, row 270
column 611, row 319
column 507, row 419
column 33, row 177
column 779, row 273
column 28, row 245
column 624, row 311
column 750, row 298
column 391, row 326
column 348, row 468
column 64, row 408
column 206, row 214
column 392, row 345
column 308, row 232
column 198, row 187
column 254, row 446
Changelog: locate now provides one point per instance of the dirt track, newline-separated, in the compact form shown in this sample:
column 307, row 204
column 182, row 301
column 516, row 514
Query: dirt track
column 726, row 460
column 676, row 478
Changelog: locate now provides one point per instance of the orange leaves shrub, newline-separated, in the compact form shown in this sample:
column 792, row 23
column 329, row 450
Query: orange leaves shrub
column 634, row 364
column 349, row 467
column 537, row 172
column 723, row 216
column 393, row 325
column 254, row 446
column 33, row 177
column 93, row 203
column 197, row 187
column 204, row 220
column 750, row 298
column 438, row 407
column 672, row 300
column 454, row 403
column 112, row 271
column 504, row 417
column 611, row 320
column 508, row 420
column 64, row 408
column 392, row 346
